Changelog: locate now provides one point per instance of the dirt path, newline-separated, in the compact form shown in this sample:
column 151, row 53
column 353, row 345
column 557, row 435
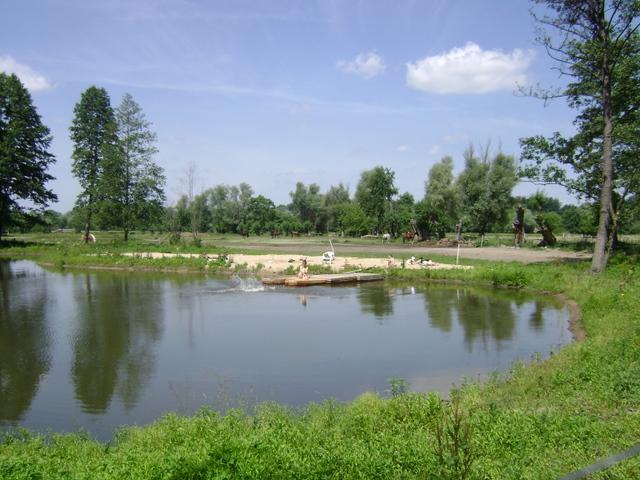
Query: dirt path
column 506, row 254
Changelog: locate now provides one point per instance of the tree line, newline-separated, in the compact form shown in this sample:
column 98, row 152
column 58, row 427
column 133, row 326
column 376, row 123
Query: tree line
column 595, row 44
column 123, row 188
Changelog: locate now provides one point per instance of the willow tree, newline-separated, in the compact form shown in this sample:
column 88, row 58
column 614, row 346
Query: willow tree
column 375, row 190
column 595, row 44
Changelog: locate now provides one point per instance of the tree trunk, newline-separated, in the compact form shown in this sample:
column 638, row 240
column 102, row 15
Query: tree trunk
column 518, row 226
column 599, row 261
column 87, row 228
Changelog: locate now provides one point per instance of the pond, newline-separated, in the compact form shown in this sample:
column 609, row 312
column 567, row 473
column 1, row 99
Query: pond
column 99, row 350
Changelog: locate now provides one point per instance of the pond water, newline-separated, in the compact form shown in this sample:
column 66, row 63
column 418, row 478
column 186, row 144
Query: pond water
column 100, row 350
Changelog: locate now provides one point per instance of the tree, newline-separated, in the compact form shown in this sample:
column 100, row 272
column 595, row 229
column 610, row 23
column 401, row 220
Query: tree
column 541, row 202
column 374, row 193
column 439, row 209
column 597, row 46
column 336, row 196
column 131, row 184
column 261, row 212
column 24, row 155
column 93, row 132
column 306, row 204
column 484, row 189
column 353, row 220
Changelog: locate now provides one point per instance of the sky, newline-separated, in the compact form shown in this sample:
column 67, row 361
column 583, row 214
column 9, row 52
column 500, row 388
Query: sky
column 272, row 92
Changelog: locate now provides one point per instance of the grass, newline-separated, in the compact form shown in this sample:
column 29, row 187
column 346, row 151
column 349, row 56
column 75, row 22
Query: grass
column 538, row 420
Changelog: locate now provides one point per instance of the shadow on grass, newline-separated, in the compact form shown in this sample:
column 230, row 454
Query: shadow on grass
column 12, row 243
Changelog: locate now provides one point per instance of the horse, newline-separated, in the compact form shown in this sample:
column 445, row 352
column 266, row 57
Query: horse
column 409, row 237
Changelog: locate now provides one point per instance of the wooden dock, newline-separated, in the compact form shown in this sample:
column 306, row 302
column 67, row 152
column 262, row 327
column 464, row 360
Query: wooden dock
column 323, row 279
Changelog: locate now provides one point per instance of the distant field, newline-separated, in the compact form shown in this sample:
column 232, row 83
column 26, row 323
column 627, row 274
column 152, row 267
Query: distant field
column 213, row 239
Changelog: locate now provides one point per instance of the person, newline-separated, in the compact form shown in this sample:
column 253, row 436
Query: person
column 303, row 271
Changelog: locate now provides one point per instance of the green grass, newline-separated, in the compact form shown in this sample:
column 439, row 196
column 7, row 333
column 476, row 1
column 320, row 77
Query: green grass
column 538, row 420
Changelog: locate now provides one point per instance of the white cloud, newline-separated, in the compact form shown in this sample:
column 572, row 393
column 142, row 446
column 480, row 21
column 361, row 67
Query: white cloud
column 30, row 78
column 367, row 65
column 469, row 70
column 402, row 148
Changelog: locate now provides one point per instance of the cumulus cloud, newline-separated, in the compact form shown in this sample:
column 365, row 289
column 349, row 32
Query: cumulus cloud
column 367, row 65
column 30, row 78
column 469, row 69
column 402, row 148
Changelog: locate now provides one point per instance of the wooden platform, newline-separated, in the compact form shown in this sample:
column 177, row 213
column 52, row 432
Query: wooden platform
column 323, row 279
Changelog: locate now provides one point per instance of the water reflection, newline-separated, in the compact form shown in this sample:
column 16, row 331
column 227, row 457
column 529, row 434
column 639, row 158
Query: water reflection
column 24, row 339
column 536, row 320
column 118, row 321
column 102, row 350
column 377, row 300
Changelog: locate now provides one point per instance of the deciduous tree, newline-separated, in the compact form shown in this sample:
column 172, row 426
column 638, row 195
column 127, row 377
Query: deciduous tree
column 595, row 43
column 375, row 190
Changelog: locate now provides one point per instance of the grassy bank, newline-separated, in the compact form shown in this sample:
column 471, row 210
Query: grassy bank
column 539, row 420
column 66, row 251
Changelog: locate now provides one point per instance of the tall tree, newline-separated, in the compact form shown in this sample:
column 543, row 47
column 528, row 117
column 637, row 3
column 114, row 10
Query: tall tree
column 93, row 132
column 375, row 190
column 131, row 184
column 24, row 155
column 484, row 189
column 336, row 196
column 595, row 44
column 306, row 203
column 439, row 209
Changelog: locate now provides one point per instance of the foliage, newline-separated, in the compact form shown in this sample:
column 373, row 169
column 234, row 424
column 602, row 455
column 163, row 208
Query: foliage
column 131, row 184
column 261, row 212
column 484, row 191
column 336, row 196
column 437, row 213
column 541, row 420
column 596, row 44
column 353, row 220
column 24, row 155
column 93, row 132
column 374, row 193
column 541, row 202
column 307, row 205
column 454, row 446
column 579, row 219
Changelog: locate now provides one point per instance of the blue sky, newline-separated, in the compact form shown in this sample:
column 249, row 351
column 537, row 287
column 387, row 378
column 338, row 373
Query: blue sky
column 275, row 92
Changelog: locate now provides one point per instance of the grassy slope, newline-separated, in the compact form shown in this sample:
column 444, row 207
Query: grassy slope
column 541, row 420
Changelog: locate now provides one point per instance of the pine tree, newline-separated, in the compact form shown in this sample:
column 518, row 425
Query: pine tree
column 24, row 155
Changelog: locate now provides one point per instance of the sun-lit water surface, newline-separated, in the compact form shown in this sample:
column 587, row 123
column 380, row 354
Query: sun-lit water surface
column 100, row 350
